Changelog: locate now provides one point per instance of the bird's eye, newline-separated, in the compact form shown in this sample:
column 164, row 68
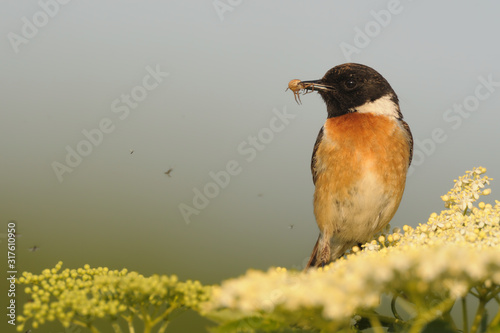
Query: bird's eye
column 350, row 84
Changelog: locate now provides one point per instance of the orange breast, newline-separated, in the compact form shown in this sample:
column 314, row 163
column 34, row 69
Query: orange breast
column 361, row 155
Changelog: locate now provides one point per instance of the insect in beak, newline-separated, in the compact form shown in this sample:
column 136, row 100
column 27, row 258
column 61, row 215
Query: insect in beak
column 297, row 86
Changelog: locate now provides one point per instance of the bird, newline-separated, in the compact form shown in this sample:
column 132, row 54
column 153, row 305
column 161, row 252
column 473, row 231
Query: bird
column 169, row 171
column 360, row 159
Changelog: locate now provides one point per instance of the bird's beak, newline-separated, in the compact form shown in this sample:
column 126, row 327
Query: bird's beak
column 315, row 85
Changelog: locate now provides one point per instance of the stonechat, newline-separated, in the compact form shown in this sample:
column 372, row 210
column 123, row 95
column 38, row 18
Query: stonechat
column 360, row 158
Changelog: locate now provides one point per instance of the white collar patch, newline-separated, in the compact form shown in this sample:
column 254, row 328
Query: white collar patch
column 382, row 106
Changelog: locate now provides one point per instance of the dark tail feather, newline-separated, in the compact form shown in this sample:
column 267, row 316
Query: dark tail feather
column 323, row 256
column 313, row 261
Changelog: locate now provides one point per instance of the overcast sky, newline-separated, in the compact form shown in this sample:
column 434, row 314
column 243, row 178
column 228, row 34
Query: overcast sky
column 100, row 99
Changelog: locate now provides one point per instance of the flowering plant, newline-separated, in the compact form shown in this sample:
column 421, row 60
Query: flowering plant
column 423, row 272
column 84, row 295
column 406, row 280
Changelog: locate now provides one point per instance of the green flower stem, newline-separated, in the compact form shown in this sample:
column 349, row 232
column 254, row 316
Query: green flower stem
column 376, row 324
column 92, row 328
column 383, row 320
column 163, row 326
column 465, row 316
column 147, row 321
column 163, row 316
column 79, row 323
column 431, row 314
column 130, row 323
column 493, row 294
column 479, row 315
column 393, row 307
column 495, row 321
column 116, row 326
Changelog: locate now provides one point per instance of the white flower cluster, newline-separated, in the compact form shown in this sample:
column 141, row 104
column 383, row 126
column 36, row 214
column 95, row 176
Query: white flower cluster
column 446, row 257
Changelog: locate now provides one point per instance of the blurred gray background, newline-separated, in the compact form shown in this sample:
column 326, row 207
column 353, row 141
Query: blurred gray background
column 194, row 85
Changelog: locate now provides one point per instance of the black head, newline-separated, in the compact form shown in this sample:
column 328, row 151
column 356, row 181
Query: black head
column 355, row 88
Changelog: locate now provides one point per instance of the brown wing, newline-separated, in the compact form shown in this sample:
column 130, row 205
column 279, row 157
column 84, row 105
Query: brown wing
column 410, row 138
column 313, row 261
column 313, row 159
